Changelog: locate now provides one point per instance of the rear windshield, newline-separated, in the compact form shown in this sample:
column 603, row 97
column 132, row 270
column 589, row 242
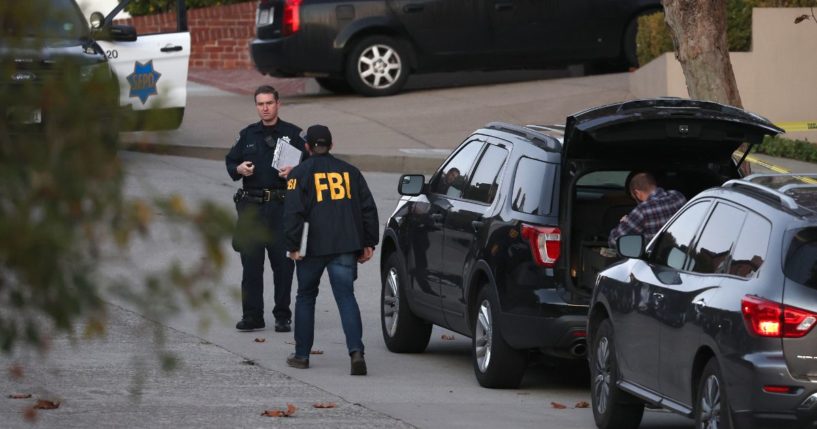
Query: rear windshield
column 50, row 19
column 801, row 259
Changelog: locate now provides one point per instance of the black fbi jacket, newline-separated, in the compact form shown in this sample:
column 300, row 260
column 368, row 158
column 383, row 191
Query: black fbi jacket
column 333, row 197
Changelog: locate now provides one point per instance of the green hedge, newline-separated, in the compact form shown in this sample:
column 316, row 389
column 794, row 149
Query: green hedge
column 653, row 37
column 150, row 7
column 802, row 150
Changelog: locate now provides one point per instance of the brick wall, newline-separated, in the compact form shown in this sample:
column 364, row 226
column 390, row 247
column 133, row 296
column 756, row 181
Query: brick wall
column 219, row 35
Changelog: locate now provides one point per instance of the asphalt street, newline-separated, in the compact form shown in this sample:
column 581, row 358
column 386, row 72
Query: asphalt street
column 215, row 386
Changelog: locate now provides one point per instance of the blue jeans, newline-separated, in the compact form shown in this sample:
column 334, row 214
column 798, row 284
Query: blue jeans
column 342, row 274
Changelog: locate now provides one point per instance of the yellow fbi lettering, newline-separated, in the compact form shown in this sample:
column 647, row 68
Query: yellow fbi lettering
column 292, row 184
column 336, row 183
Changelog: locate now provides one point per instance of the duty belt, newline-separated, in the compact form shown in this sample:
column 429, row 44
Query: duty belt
column 260, row 195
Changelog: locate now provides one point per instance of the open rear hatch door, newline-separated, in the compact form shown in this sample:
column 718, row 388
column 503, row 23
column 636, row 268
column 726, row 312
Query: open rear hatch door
column 664, row 128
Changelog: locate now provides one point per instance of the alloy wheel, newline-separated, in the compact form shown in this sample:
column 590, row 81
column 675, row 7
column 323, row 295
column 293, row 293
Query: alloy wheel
column 601, row 382
column 483, row 335
column 391, row 302
column 711, row 403
column 379, row 66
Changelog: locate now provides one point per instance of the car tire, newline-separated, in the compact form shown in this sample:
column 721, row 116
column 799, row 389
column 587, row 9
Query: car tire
column 496, row 364
column 629, row 47
column 377, row 66
column 403, row 332
column 711, row 405
column 334, row 85
column 612, row 407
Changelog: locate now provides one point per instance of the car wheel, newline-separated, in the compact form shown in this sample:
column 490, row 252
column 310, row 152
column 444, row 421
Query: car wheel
column 612, row 407
column 338, row 86
column 377, row 66
column 403, row 332
column 711, row 407
column 496, row 364
column 629, row 49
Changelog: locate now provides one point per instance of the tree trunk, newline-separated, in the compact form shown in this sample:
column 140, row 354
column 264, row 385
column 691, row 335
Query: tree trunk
column 698, row 29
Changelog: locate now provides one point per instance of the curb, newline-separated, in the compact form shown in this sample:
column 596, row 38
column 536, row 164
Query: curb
column 379, row 163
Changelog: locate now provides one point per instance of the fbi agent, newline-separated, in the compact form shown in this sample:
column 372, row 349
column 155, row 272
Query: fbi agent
column 260, row 205
column 332, row 196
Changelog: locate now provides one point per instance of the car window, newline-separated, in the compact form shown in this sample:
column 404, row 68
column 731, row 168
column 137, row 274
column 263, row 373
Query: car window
column 750, row 250
column 711, row 253
column 453, row 177
column 533, row 186
column 672, row 245
column 801, row 259
column 484, row 184
column 604, row 179
column 61, row 19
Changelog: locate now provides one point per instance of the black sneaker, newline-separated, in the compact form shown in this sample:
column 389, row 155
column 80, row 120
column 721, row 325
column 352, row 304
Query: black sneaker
column 358, row 363
column 283, row 325
column 247, row 325
column 297, row 362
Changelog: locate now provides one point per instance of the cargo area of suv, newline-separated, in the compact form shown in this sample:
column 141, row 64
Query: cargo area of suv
column 508, row 253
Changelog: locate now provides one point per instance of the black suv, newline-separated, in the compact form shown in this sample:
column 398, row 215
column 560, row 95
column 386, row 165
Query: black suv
column 714, row 319
column 372, row 46
column 504, row 242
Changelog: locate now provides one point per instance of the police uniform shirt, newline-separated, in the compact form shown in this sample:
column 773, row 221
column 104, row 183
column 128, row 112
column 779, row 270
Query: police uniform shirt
column 334, row 198
column 256, row 143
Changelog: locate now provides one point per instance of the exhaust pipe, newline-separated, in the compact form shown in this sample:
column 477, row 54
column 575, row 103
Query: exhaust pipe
column 579, row 349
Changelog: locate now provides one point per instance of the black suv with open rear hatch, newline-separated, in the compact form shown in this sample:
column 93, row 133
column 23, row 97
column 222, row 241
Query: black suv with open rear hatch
column 504, row 242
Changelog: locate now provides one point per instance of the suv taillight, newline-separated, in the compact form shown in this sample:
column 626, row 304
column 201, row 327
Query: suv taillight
column 292, row 17
column 545, row 243
column 771, row 319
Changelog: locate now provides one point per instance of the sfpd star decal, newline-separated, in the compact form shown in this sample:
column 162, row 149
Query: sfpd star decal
column 143, row 81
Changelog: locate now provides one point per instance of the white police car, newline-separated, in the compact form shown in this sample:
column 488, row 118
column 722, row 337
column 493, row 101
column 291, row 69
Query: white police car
column 151, row 68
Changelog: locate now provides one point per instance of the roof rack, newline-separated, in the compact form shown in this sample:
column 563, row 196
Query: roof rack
column 528, row 133
column 810, row 178
column 554, row 128
column 784, row 199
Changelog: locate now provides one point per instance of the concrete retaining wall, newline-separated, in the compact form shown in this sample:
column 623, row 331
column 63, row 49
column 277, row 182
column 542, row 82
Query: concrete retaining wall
column 777, row 79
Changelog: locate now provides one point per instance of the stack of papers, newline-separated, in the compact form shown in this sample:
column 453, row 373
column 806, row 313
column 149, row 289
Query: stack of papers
column 285, row 155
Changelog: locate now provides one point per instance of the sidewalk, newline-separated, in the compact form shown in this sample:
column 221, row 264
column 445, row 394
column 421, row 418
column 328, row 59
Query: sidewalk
column 410, row 132
column 115, row 382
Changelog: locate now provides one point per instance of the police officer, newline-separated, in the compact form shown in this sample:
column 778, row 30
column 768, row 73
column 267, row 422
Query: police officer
column 332, row 196
column 260, row 205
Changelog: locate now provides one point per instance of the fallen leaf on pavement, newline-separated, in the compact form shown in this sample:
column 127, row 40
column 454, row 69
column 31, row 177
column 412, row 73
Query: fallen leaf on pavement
column 20, row 395
column 260, row 340
column 43, row 404
column 316, row 352
column 292, row 343
column 582, row 404
column 558, row 406
column 324, row 405
column 30, row 415
column 289, row 412
column 16, row 371
column 447, row 337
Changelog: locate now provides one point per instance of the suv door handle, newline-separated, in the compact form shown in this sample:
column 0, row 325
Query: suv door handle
column 436, row 217
column 171, row 48
column 477, row 224
column 413, row 8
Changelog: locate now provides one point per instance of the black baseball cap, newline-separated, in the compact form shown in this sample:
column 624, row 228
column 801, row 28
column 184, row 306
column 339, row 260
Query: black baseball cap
column 318, row 135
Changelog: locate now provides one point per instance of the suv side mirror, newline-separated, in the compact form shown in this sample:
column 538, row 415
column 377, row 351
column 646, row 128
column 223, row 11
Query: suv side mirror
column 97, row 20
column 411, row 184
column 630, row 246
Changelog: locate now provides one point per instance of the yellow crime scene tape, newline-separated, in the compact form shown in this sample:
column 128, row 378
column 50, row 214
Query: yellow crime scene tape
column 791, row 127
